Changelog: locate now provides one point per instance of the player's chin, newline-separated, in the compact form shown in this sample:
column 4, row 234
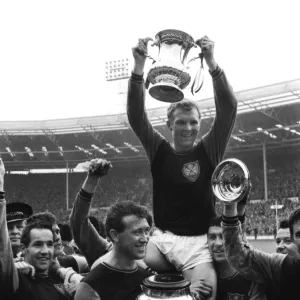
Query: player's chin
column 187, row 143
column 140, row 253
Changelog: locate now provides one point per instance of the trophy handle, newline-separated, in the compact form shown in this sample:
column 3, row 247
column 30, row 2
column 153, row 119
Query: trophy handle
column 199, row 78
column 155, row 43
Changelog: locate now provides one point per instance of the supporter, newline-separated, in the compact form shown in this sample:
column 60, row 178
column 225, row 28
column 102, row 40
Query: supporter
column 284, row 241
column 178, row 183
column 294, row 225
column 16, row 215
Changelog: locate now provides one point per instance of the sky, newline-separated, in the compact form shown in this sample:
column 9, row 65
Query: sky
column 53, row 53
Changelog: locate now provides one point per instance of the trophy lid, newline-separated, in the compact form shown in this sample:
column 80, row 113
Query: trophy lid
column 166, row 282
column 174, row 35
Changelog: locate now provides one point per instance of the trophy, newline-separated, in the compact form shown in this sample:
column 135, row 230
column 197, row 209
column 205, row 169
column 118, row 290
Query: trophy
column 165, row 286
column 170, row 74
column 231, row 181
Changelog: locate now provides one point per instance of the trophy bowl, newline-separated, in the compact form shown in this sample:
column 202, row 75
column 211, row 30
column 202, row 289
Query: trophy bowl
column 231, row 181
column 169, row 74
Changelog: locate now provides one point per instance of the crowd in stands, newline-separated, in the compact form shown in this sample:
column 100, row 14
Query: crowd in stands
column 47, row 192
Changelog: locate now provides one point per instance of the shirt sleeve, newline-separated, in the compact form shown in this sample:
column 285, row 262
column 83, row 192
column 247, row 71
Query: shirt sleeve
column 9, row 279
column 86, row 237
column 251, row 263
column 84, row 292
column 138, row 119
column 257, row 292
column 216, row 140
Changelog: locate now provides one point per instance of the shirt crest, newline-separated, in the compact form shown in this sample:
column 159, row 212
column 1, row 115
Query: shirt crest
column 191, row 170
column 235, row 296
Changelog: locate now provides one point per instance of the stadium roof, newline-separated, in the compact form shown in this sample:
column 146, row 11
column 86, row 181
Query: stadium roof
column 266, row 115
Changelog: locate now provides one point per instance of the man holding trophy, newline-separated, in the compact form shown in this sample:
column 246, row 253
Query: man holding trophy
column 183, row 203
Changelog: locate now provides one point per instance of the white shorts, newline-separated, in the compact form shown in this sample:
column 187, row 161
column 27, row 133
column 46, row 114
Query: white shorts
column 183, row 252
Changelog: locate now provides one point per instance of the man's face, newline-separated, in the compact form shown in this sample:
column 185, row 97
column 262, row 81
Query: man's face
column 15, row 230
column 215, row 243
column 185, row 126
column 58, row 248
column 134, row 239
column 284, row 242
column 40, row 250
column 296, row 235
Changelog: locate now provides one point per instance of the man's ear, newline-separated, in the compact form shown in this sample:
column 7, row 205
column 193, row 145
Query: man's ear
column 114, row 235
column 169, row 125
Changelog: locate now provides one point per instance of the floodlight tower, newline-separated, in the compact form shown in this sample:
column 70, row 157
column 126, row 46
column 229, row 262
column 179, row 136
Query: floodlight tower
column 117, row 73
column 117, row 69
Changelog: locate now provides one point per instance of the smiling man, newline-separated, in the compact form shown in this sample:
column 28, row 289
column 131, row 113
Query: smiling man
column 77, row 262
column 294, row 225
column 231, row 285
column 118, row 276
column 284, row 242
column 183, row 204
column 31, row 278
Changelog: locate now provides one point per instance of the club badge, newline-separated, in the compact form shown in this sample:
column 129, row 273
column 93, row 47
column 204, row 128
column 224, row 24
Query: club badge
column 191, row 170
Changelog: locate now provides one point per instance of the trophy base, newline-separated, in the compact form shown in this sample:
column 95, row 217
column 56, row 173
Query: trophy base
column 166, row 92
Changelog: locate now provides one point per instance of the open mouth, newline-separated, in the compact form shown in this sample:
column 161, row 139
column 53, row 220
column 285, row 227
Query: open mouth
column 44, row 259
column 141, row 248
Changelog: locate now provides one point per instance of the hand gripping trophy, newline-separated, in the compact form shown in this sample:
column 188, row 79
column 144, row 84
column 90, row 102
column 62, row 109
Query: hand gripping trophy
column 170, row 73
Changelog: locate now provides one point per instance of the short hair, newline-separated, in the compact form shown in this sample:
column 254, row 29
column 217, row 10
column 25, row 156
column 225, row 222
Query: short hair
column 294, row 218
column 185, row 104
column 215, row 221
column 25, row 237
column 119, row 210
column 284, row 224
column 43, row 217
column 65, row 232
column 99, row 226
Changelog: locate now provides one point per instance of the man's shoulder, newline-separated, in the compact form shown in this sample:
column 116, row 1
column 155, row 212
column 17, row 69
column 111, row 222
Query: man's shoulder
column 96, row 273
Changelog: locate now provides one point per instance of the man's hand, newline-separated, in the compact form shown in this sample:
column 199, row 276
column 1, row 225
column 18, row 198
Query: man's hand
column 207, row 47
column 140, row 52
column 201, row 289
column 99, row 167
column 2, row 173
column 25, row 268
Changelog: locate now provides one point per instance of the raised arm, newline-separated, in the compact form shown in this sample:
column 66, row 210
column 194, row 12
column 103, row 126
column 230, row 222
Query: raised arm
column 86, row 237
column 216, row 140
column 9, row 280
column 253, row 264
column 136, row 113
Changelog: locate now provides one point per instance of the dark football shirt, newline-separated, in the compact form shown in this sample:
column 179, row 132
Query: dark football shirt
column 44, row 288
column 235, row 287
